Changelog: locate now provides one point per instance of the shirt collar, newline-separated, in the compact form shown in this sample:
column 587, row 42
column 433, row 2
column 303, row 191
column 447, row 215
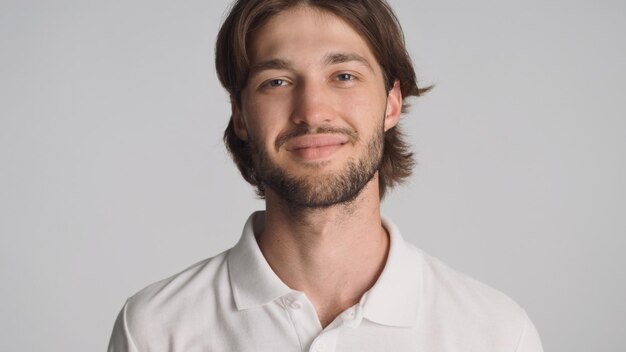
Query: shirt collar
column 393, row 300
column 253, row 281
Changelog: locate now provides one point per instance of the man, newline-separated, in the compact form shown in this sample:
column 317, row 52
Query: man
column 317, row 90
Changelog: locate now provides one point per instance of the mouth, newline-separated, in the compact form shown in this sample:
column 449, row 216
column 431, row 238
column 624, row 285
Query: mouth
column 316, row 147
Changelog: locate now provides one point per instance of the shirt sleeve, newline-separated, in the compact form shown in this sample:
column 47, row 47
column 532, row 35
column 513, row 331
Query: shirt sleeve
column 121, row 340
column 529, row 341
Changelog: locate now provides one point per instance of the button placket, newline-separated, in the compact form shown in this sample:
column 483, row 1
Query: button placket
column 326, row 341
column 319, row 347
column 303, row 318
column 352, row 317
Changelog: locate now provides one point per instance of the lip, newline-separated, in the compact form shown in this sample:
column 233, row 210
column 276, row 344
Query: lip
column 314, row 147
column 315, row 141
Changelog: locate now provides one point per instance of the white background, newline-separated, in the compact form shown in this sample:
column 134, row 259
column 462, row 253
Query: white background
column 113, row 174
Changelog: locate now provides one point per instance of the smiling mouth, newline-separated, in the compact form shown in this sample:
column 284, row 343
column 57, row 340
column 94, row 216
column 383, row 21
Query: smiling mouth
column 315, row 147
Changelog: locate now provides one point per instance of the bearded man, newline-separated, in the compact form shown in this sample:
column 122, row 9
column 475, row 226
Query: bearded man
column 317, row 89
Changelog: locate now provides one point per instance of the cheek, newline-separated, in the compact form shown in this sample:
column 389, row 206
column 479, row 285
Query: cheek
column 364, row 107
column 264, row 123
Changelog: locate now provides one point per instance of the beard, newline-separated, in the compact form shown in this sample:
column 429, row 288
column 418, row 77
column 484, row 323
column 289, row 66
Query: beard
column 324, row 190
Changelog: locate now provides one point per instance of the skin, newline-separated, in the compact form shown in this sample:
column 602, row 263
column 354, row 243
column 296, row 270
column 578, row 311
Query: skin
column 312, row 70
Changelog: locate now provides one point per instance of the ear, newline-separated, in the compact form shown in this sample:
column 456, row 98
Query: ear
column 238, row 123
column 394, row 106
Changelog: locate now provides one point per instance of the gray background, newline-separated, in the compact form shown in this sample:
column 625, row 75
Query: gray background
column 113, row 174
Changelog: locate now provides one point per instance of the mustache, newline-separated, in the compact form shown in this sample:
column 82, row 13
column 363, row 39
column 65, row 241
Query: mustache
column 302, row 130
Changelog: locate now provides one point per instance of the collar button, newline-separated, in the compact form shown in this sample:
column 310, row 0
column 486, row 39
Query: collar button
column 319, row 347
column 295, row 305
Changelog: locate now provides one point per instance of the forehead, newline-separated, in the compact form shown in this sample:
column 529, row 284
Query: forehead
column 305, row 33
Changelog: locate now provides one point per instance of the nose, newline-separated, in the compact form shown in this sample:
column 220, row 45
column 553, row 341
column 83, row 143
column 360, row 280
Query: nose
column 312, row 105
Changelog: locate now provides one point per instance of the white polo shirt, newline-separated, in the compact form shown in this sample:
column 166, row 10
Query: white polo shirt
column 235, row 302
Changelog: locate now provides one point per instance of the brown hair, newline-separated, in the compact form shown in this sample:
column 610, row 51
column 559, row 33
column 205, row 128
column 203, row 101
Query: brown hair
column 373, row 19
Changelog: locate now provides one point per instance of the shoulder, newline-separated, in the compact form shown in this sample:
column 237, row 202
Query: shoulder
column 453, row 300
column 179, row 302
column 462, row 289
column 194, row 280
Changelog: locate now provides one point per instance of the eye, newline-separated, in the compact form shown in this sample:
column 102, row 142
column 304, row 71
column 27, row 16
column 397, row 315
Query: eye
column 345, row 77
column 273, row 83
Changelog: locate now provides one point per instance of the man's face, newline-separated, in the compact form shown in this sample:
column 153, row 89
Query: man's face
column 315, row 108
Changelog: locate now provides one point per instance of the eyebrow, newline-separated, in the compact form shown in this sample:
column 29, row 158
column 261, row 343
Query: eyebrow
column 329, row 59
column 338, row 58
column 273, row 64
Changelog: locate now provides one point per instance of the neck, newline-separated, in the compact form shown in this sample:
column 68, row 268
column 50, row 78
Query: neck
column 333, row 255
